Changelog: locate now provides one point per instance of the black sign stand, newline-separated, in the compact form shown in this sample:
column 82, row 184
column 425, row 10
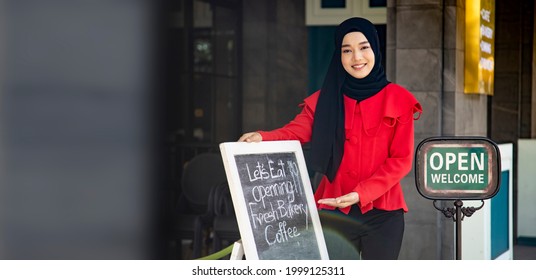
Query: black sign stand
column 456, row 215
column 429, row 157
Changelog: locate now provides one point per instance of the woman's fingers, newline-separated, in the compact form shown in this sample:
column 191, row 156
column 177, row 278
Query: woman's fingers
column 250, row 137
column 341, row 201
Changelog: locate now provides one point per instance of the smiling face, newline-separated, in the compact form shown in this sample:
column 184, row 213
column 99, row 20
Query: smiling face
column 357, row 56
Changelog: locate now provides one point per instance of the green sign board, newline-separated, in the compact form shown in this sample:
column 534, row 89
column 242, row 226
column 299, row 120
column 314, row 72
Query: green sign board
column 457, row 168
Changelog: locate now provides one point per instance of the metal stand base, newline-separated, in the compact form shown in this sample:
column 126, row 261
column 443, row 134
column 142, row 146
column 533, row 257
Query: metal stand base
column 456, row 215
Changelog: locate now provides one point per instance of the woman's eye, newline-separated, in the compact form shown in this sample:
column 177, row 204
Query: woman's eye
column 346, row 51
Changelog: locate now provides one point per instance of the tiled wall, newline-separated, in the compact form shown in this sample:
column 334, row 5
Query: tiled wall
column 274, row 62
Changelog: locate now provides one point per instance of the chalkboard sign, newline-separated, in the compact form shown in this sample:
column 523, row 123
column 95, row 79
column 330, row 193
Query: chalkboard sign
column 273, row 201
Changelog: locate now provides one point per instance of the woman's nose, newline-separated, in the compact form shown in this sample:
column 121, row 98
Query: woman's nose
column 357, row 55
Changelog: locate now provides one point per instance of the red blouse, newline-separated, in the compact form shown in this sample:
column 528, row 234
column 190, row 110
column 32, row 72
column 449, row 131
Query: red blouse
column 378, row 151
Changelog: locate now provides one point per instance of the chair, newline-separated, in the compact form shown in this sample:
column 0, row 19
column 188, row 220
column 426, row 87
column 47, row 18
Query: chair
column 200, row 175
column 224, row 224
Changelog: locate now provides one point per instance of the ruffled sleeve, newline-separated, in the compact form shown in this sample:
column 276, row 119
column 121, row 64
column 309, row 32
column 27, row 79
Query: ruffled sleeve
column 398, row 105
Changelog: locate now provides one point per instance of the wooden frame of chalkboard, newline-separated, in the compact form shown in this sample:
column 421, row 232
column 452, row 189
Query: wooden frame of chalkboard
column 273, row 201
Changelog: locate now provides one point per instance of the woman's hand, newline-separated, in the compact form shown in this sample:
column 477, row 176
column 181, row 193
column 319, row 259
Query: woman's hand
column 251, row 137
column 341, row 201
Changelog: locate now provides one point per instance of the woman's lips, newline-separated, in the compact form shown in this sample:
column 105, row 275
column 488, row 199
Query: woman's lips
column 359, row 66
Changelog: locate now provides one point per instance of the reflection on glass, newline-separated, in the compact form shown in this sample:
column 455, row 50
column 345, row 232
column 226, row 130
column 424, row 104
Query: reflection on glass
column 202, row 55
column 202, row 11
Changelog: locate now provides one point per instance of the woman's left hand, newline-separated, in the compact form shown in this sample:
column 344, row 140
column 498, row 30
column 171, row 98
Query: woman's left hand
column 341, row 201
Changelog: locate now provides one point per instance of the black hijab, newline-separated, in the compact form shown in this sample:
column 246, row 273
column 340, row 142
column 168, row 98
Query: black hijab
column 327, row 143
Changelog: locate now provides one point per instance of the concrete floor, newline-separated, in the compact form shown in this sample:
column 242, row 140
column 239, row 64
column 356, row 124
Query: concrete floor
column 521, row 252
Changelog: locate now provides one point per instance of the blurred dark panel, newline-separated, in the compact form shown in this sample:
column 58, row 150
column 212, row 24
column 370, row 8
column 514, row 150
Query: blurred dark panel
column 77, row 129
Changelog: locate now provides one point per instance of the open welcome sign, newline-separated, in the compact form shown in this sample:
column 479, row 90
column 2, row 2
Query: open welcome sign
column 457, row 168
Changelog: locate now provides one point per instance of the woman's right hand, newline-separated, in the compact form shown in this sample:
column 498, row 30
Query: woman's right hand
column 251, row 137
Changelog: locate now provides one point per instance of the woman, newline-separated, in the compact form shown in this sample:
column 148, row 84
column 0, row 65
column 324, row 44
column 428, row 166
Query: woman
column 361, row 131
